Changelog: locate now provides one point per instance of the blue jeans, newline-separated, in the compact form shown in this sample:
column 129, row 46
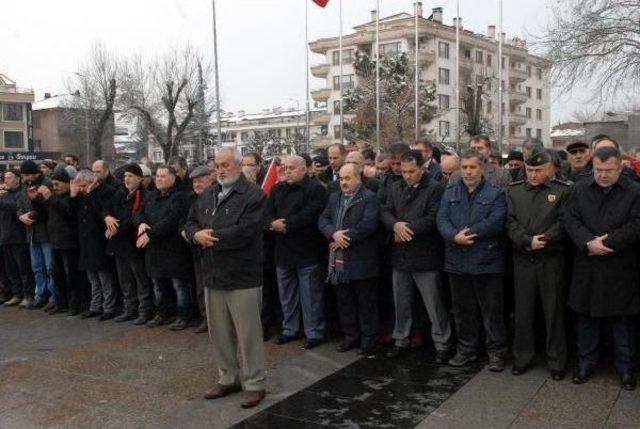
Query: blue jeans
column 623, row 330
column 301, row 292
column 182, row 289
column 42, row 267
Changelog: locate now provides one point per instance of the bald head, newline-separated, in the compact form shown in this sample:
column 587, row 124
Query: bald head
column 295, row 169
column 100, row 170
column 449, row 164
column 350, row 178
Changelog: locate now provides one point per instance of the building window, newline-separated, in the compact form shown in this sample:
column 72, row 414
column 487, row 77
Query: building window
column 512, row 131
column 539, row 94
column 528, row 91
column 443, row 76
column 528, row 71
column 158, row 156
column 489, row 107
column 539, row 133
column 14, row 140
column 443, row 50
column 528, row 132
column 347, row 57
column 390, row 49
column 539, row 73
column 244, row 136
column 336, row 107
column 503, row 61
column 479, row 58
column 12, row 112
column 347, row 82
column 336, row 131
column 467, row 54
column 528, row 112
column 502, row 108
column 489, row 60
column 539, row 114
column 444, row 128
column 443, row 102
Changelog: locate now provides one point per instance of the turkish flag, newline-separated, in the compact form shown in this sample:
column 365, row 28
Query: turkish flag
column 270, row 178
column 321, row 3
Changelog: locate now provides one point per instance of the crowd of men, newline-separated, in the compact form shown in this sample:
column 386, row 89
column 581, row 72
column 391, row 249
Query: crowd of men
column 545, row 247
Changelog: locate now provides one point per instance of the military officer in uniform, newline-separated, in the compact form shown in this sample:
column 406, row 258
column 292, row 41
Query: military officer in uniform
column 534, row 226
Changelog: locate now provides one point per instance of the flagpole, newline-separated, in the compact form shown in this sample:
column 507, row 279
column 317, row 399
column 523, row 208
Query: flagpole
column 458, row 76
column 500, row 89
column 417, row 74
column 215, row 62
column 341, row 73
column 378, row 76
column 306, row 93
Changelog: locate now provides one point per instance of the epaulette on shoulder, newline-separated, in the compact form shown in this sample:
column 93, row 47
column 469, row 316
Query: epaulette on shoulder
column 518, row 182
column 562, row 182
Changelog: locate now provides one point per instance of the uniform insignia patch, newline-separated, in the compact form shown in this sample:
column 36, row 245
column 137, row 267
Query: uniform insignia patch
column 551, row 198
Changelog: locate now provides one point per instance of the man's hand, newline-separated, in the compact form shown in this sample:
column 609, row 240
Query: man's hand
column 341, row 239
column 45, row 192
column 74, row 189
column 112, row 224
column 25, row 219
column 142, row 241
column 369, row 171
column 464, row 238
column 142, row 228
column 402, row 231
column 538, row 242
column 108, row 234
column 278, row 225
column 205, row 238
column 597, row 248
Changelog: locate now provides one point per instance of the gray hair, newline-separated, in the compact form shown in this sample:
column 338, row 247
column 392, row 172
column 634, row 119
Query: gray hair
column 297, row 159
column 237, row 156
column 85, row 175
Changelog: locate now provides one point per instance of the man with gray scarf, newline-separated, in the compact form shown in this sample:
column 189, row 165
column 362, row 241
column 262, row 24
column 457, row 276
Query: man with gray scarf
column 226, row 222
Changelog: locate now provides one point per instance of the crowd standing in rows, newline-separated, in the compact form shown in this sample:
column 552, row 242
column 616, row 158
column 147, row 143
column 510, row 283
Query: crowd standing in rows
column 342, row 242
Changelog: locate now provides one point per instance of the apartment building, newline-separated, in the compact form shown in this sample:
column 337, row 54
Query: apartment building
column 526, row 89
column 16, row 140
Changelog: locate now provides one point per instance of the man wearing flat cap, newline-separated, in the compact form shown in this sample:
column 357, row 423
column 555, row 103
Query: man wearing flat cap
column 579, row 158
column 130, row 264
column 534, row 226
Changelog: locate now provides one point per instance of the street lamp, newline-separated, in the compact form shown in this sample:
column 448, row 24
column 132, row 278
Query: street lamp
column 86, row 121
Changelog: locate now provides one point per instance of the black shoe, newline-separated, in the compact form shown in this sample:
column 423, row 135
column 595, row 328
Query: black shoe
column 90, row 314
column 73, row 312
column 442, row 357
column 284, row 339
column 368, row 351
column 395, row 351
column 124, row 317
column 345, row 347
column 581, row 376
column 557, row 374
column 496, row 363
column 142, row 319
column 628, row 381
column 309, row 344
column 518, row 370
column 38, row 304
column 106, row 316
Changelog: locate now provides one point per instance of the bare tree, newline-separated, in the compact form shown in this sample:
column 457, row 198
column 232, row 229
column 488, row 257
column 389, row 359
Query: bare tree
column 268, row 144
column 164, row 96
column 596, row 44
column 94, row 88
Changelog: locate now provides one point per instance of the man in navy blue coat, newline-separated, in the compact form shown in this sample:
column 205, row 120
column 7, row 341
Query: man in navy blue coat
column 471, row 219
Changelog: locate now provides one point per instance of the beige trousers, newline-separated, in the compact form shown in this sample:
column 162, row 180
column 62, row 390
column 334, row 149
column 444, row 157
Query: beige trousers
column 235, row 330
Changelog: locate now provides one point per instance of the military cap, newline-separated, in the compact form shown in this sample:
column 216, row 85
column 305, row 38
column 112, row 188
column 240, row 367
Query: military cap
column 538, row 158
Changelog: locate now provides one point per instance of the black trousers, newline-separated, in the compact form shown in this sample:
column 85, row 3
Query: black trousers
column 73, row 290
column 271, row 312
column 539, row 277
column 18, row 268
column 137, row 292
column 624, row 340
column 473, row 296
column 358, row 311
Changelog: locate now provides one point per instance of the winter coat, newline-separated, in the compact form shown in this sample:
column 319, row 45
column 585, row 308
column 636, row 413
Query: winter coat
column 484, row 212
column 38, row 232
column 63, row 222
column 167, row 255
column 238, row 221
column 361, row 219
column 12, row 231
column 604, row 286
column 123, row 243
column 300, row 205
column 418, row 206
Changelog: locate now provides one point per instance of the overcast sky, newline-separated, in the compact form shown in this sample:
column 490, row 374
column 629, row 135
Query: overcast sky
column 261, row 41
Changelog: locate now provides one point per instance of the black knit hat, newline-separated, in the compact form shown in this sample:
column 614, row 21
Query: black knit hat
column 29, row 167
column 133, row 169
column 60, row 174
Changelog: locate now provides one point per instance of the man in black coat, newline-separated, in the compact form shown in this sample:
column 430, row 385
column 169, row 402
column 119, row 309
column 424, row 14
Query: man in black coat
column 227, row 223
column 396, row 151
column 121, row 233
column 417, row 253
column 63, row 231
column 89, row 197
column 13, row 237
column 167, row 256
column 336, row 154
column 368, row 182
column 603, row 221
column 350, row 221
column 292, row 215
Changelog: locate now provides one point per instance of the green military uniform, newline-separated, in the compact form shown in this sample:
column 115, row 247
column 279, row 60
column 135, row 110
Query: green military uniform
column 535, row 210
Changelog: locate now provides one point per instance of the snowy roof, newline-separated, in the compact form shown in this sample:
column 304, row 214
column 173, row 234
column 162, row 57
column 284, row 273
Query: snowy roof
column 55, row 102
column 567, row 133
column 271, row 115
column 5, row 81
